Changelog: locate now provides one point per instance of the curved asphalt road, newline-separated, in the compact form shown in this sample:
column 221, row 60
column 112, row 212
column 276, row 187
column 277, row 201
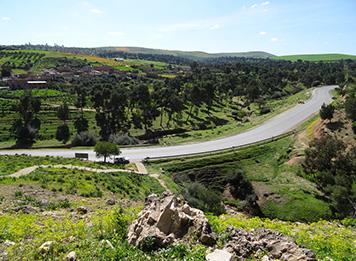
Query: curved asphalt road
column 277, row 125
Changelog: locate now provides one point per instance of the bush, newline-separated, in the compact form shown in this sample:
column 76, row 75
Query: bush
column 123, row 139
column 203, row 198
column 84, row 139
column 265, row 110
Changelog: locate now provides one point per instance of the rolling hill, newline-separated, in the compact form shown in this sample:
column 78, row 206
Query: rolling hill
column 193, row 55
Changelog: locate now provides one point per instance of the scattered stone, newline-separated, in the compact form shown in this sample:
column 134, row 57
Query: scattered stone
column 82, row 210
column 8, row 243
column 265, row 258
column 111, row 202
column 3, row 255
column 26, row 209
column 44, row 202
column 219, row 255
column 46, row 247
column 106, row 243
column 164, row 221
column 72, row 256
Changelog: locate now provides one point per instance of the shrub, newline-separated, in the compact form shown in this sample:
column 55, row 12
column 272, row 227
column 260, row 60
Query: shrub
column 265, row 110
column 203, row 198
column 123, row 139
column 84, row 139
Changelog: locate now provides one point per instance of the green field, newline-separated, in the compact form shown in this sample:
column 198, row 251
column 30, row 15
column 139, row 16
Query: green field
column 39, row 60
column 315, row 57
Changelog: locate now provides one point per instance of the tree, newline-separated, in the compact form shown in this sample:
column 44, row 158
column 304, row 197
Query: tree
column 63, row 132
column 106, row 149
column 81, row 123
column 350, row 107
column 327, row 111
column 63, row 112
column 333, row 168
column 25, row 128
column 6, row 70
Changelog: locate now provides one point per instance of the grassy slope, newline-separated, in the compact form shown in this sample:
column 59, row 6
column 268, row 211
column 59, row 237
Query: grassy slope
column 85, row 234
column 125, row 65
column 294, row 198
column 191, row 54
column 315, row 57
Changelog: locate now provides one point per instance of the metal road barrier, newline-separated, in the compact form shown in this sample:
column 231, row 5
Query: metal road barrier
column 232, row 148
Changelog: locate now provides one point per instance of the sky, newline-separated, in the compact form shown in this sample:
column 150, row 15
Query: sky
column 280, row 27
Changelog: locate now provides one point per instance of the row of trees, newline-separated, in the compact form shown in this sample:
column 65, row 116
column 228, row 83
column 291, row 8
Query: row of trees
column 140, row 101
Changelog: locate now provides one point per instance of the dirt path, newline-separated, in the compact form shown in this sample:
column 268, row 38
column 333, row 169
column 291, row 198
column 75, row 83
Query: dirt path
column 141, row 168
column 29, row 170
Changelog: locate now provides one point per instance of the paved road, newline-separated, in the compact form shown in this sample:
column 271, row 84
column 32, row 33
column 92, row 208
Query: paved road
column 279, row 124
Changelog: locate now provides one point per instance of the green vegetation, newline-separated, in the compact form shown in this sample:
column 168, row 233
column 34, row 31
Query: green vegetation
column 21, row 161
column 106, row 149
column 89, row 241
column 315, row 57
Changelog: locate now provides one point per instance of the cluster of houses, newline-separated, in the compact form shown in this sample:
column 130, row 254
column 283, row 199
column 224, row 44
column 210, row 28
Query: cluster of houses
column 48, row 76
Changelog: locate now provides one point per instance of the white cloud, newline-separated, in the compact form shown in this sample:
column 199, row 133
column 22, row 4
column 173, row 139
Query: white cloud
column 253, row 6
column 116, row 33
column 274, row 39
column 215, row 27
column 96, row 11
column 5, row 18
column 265, row 3
column 262, row 33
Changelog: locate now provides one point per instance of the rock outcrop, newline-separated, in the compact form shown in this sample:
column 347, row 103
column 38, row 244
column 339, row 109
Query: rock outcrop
column 166, row 220
column 270, row 244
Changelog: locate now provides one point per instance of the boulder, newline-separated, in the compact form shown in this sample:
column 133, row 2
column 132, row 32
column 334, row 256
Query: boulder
column 111, row 202
column 72, row 256
column 219, row 255
column 244, row 244
column 166, row 220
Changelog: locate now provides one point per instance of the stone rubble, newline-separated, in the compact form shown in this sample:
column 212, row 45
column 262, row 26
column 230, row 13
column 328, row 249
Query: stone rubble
column 164, row 221
column 243, row 244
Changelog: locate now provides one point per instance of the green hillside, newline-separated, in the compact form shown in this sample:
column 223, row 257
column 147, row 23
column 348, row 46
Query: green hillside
column 190, row 54
column 316, row 57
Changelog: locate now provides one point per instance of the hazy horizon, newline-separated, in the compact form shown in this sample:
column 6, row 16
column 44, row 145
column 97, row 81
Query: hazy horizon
column 277, row 27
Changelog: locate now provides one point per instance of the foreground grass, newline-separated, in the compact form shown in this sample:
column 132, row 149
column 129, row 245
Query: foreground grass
column 88, row 239
column 327, row 239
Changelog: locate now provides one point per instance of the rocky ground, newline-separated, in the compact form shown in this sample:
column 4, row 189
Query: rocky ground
column 169, row 219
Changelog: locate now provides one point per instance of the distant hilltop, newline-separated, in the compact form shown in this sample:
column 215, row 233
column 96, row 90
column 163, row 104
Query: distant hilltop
column 177, row 56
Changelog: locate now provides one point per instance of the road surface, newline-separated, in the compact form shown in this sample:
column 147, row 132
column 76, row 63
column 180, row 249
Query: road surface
column 282, row 123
